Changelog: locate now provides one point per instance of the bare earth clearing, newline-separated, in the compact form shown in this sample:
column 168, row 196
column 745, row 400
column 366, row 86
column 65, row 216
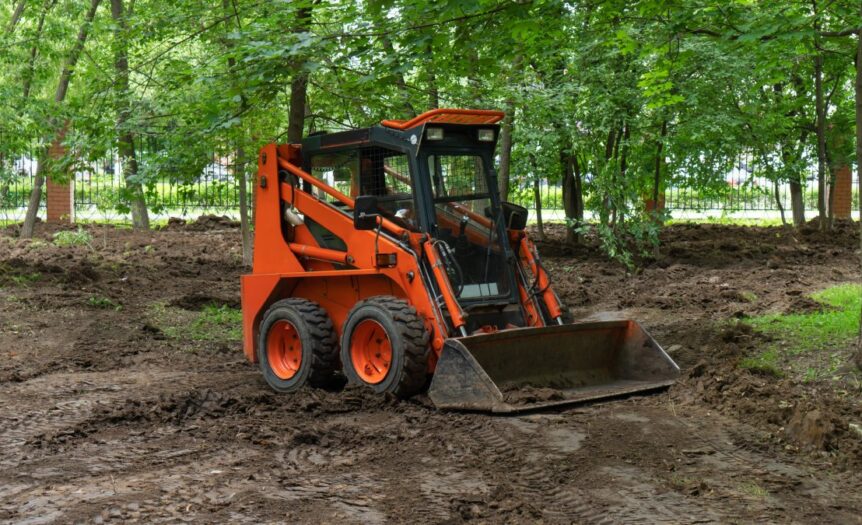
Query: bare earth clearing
column 116, row 404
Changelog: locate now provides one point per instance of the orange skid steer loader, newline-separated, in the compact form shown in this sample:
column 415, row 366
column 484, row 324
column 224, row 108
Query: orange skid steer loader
column 385, row 253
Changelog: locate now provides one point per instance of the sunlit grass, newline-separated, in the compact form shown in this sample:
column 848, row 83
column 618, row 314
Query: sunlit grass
column 79, row 237
column 823, row 332
column 212, row 323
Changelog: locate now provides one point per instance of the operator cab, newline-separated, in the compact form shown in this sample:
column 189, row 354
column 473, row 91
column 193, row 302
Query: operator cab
column 436, row 178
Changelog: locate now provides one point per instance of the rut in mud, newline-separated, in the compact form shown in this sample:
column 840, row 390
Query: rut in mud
column 118, row 404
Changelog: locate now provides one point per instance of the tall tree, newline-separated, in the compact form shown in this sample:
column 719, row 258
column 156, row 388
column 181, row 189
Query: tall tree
column 239, row 152
column 299, row 84
column 54, row 126
column 16, row 16
column 504, row 178
column 125, row 124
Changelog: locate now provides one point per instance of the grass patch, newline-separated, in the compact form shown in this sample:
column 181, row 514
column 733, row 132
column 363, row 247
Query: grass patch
column 12, row 276
column 766, row 363
column 835, row 325
column 218, row 322
column 103, row 302
column 79, row 237
column 212, row 323
column 748, row 296
column 810, row 343
column 753, row 490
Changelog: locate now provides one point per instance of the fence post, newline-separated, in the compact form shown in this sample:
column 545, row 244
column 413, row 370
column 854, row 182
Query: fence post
column 843, row 193
column 61, row 197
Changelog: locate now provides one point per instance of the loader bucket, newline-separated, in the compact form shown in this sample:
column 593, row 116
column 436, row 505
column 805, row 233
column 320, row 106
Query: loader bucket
column 531, row 368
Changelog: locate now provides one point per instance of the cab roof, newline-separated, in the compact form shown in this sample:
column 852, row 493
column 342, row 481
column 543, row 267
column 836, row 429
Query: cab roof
column 398, row 132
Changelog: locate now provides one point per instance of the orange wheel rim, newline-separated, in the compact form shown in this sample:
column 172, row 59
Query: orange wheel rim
column 284, row 349
column 370, row 351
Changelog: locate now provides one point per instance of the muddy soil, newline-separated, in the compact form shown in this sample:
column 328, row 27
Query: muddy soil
column 106, row 416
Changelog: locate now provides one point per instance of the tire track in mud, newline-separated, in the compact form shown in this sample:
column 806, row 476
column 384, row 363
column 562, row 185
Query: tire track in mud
column 175, row 485
column 713, row 462
column 729, row 448
column 71, row 406
column 646, row 490
column 531, row 481
column 551, row 478
column 65, row 405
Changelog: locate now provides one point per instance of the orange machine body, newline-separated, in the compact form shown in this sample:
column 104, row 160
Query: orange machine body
column 289, row 260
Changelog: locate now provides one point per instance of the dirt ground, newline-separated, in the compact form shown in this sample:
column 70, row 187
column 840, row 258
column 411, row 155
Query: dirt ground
column 107, row 415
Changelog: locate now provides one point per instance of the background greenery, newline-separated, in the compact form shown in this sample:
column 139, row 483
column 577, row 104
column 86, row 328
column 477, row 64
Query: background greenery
column 630, row 96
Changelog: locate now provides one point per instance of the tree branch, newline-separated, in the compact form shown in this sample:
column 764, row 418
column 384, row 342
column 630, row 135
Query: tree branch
column 16, row 16
column 844, row 32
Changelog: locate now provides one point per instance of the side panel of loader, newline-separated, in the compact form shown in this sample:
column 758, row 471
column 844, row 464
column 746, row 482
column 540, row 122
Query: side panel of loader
column 335, row 291
column 280, row 273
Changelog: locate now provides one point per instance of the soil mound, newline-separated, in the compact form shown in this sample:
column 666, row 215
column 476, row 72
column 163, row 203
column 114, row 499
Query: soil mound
column 196, row 301
column 811, row 428
column 212, row 222
column 202, row 223
column 805, row 305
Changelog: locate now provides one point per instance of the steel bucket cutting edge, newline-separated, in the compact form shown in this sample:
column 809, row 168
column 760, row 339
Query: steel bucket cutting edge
column 532, row 368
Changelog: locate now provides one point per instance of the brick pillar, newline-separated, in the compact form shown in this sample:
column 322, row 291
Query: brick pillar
column 843, row 193
column 650, row 204
column 61, row 197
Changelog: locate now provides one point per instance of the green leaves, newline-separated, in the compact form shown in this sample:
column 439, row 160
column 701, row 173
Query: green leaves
column 719, row 77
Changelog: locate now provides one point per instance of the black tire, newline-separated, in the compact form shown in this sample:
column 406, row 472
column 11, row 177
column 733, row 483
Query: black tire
column 319, row 349
column 408, row 338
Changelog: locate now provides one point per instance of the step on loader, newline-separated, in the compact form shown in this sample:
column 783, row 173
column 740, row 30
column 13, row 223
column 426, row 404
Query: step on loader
column 386, row 254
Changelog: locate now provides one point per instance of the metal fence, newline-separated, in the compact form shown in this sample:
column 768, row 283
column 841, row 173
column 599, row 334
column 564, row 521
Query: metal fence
column 100, row 186
column 213, row 188
column 743, row 192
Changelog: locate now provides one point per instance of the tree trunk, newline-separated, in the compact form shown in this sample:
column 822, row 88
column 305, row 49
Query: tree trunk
column 579, row 189
column 573, row 199
column 830, row 196
column 858, row 357
column 59, row 97
column 777, row 196
column 656, row 183
column 125, row 136
column 504, row 176
column 400, row 82
column 859, row 122
column 35, row 196
column 619, row 207
column 16, row 16
column 296, row 116
column 537, row 196
column 820, row 106
column 797, row 203
column 298, row 87
column 433, row 90
column 34, row 49
column 239, row 172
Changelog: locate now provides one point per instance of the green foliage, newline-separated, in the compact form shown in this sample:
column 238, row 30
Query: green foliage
column 642, row 94
column 79, row 237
